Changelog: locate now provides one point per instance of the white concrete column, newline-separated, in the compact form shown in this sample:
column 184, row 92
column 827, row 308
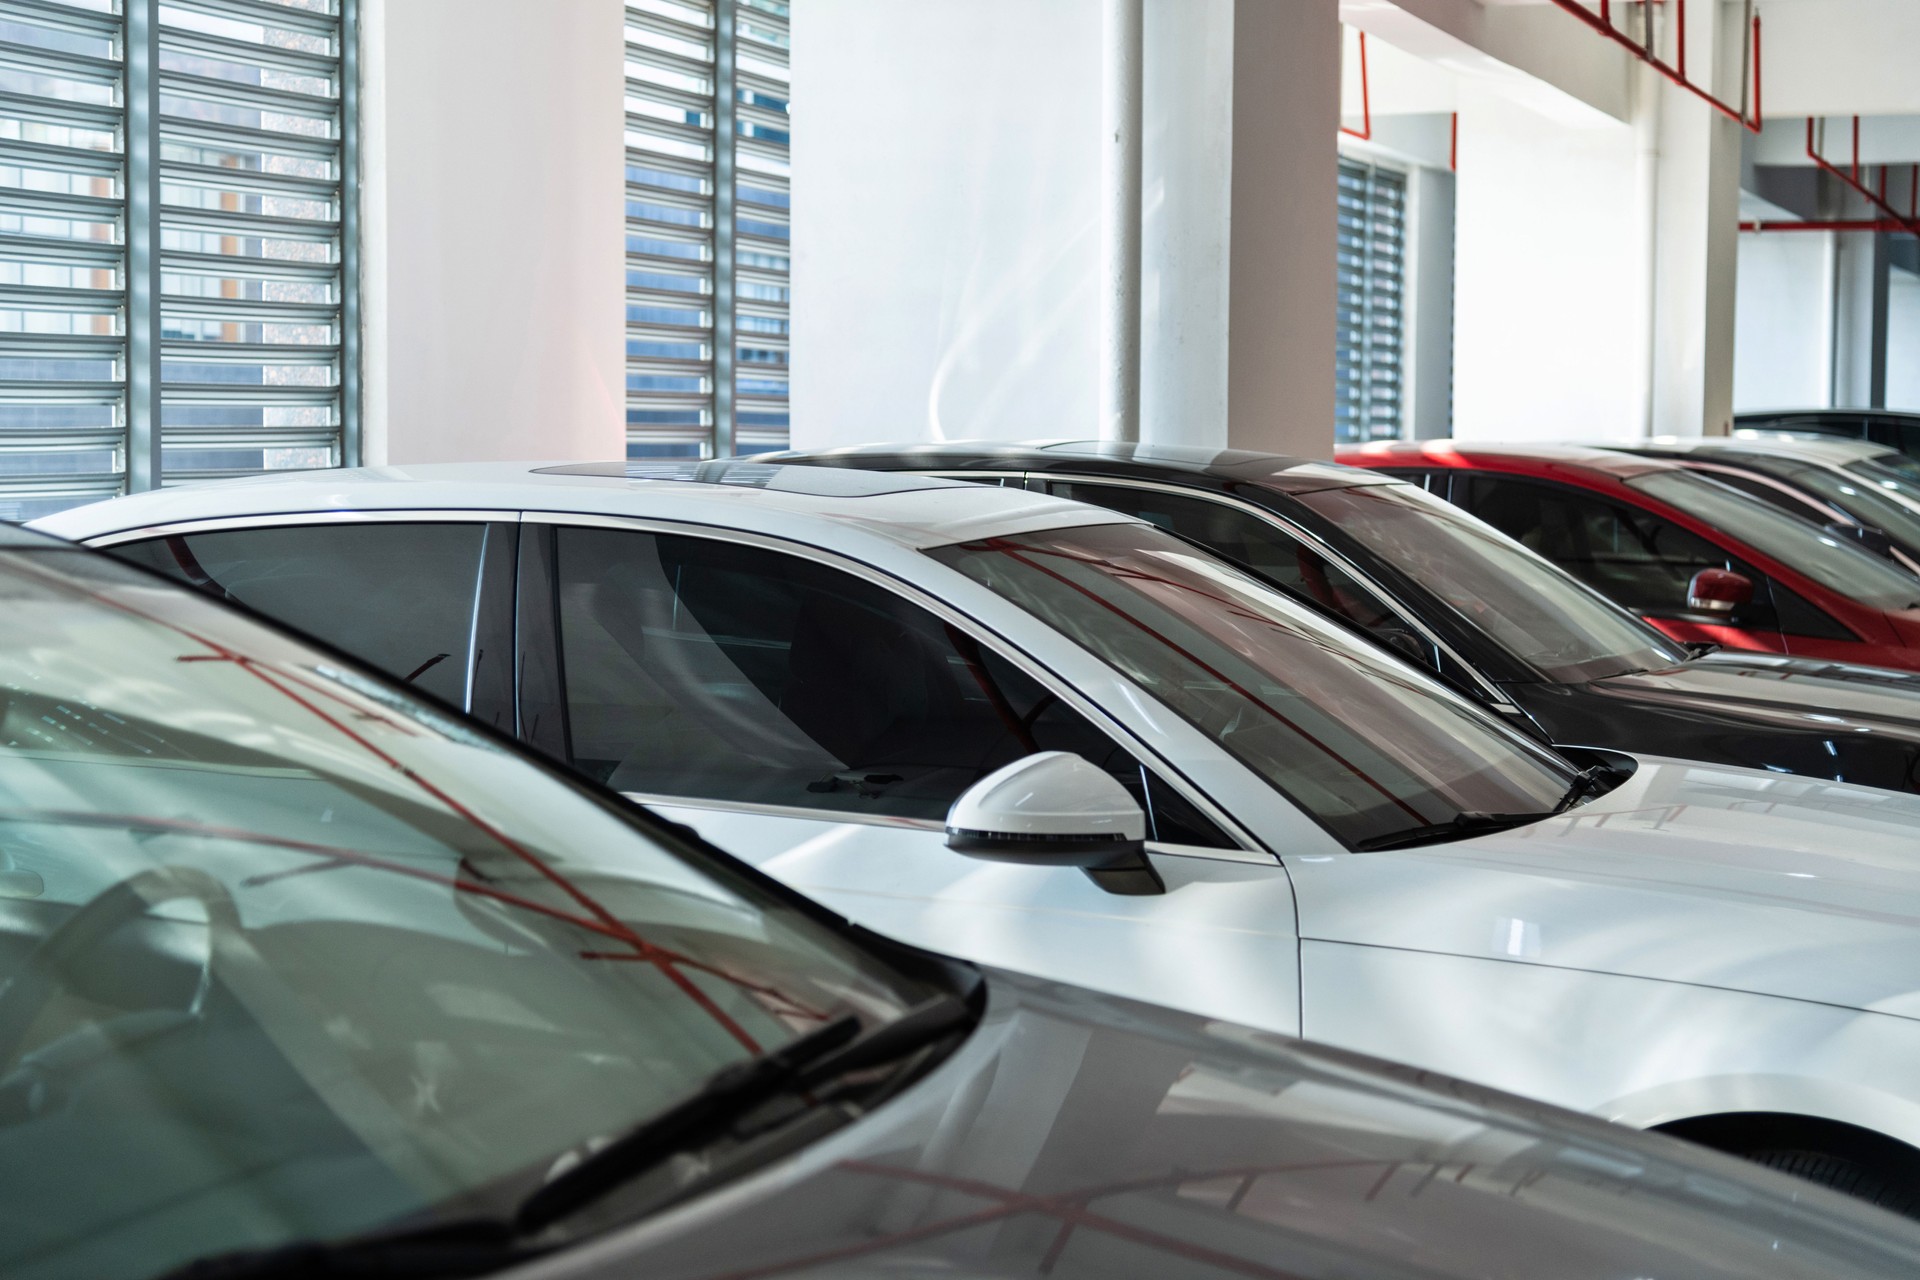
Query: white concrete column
column 1280, row 258
column 1121, row 86
column 1860, row 294
column 1696, row 203
column 495, row 264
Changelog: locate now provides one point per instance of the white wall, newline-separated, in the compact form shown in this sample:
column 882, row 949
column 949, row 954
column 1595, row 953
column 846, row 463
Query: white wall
column 1783, row 325
column 1903, row 340
column 495, row 272
column 945, row 230
column 1550, row 280
column 946, row 236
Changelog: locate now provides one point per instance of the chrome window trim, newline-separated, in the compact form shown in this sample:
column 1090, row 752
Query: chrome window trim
column 1495, row 698
column 979, row 631
column 218, row 524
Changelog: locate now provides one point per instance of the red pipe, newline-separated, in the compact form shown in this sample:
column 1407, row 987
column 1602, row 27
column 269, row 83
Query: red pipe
column 1453, row 152
column 1365, row 131
column 1856, row 224
column 1603, row 23
column 1905, row 222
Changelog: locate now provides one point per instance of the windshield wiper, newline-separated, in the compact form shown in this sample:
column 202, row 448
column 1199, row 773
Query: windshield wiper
column 1586, row 783
column 1701, row 648
column 733, row 1093
column 470, row 1247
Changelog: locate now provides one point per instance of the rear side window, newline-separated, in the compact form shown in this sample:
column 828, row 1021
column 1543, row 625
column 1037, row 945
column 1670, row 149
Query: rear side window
column 400, row 597
column 700, row 668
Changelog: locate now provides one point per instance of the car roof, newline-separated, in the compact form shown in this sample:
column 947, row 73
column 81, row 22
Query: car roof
column 1589, row 458
column 909, row 511
column 1282, row 472
column 1828, row 451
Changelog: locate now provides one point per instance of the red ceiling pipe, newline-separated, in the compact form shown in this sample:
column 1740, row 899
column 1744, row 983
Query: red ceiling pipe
column 1603, row 23
column 1856, row 224
column 1905, row 221
column 1365, row 131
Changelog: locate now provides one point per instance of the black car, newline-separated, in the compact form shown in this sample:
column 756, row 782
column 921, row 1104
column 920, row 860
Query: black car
column 1497, row 622
column 1889, row 427
column 307, row 976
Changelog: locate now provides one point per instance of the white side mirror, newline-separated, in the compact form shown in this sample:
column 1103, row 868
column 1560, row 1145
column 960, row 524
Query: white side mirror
column 1054, row 809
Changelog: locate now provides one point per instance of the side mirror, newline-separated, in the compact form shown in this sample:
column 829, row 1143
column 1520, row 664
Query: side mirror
column 1054, row 809
column 1870, row 538
column 1718, row 591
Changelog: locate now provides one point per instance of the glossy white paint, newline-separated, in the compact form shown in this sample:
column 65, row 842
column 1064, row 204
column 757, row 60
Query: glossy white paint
column 1049, row 794
column 1698, row 940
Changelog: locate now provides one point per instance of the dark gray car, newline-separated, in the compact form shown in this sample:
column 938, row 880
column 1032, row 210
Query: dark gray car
column 307, row 976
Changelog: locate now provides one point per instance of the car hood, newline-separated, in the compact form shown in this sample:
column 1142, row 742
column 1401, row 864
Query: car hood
column 1722, row 877
column 1780, row 693
column 1076, row 1135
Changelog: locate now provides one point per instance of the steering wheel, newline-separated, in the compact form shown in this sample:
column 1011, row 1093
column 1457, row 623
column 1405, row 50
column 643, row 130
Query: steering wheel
column 47, row 967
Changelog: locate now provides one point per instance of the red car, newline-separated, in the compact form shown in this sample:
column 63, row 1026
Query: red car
column 1703, row 562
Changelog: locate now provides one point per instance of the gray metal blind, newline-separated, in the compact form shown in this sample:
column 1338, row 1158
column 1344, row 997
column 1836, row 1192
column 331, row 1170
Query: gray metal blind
column 177, row 276
column 707, row 227
column 1371, row 286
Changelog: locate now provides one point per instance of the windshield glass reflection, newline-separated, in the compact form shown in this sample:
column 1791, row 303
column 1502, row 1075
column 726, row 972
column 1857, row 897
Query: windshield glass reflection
column 291, row 956
column 1367, row 745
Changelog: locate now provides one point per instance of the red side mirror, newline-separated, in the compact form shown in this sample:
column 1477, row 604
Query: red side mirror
column 1718, row 591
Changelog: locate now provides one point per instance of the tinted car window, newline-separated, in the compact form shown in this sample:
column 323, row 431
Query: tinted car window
column 697, row 667
column 398, row 596
column 290, row 956
column 1633, row 556
column 1363, row 743
column 1268, row 551
column 1837, row 565
column 1535, row 611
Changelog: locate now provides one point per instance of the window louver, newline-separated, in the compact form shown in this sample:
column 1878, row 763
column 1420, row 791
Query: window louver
column 176, row 259
column 1371, row 286
column 707, row 227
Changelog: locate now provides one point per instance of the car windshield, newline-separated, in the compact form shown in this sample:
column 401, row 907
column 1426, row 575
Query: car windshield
column 290, row 955
column 1839, row 566
column 1364, row 743
column 1895, row 472
column 1537, row 612
column 1870, row 498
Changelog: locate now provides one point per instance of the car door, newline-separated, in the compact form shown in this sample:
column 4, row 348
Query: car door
column 818, row 721
column 1640, row 559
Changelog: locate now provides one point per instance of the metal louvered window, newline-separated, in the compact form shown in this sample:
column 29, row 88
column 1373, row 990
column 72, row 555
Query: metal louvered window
column 177, row 263
column 1372, row 285
column 707, row 227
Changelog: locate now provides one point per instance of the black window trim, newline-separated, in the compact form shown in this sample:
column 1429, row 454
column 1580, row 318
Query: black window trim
column 1249, row 849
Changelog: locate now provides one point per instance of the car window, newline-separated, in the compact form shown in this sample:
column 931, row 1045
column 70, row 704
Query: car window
column 1836, row 564
column 400, row 596
column 702, row 668
column 1631, row 555
column 287, row 955
column 1268, row 551
column 1534, row 610
column 1364, row 744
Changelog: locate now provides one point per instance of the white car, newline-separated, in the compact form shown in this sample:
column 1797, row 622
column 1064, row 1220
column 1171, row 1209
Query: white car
column 863, row 684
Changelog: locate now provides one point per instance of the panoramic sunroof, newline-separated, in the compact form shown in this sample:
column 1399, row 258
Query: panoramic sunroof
column 817, row 482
